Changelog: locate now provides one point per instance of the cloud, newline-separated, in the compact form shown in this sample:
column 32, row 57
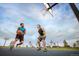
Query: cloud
column 63, row 24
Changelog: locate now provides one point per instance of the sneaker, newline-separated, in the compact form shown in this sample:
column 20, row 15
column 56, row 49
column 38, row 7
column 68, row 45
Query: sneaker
column 38, row 49
column 45, row 50
column 17, row 45
column 11, row 47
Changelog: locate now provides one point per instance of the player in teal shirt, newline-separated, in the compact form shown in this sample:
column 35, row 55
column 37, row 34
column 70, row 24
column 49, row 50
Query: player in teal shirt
column 19, row 35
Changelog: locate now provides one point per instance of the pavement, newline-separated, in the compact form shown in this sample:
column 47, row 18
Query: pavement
column 34, row 52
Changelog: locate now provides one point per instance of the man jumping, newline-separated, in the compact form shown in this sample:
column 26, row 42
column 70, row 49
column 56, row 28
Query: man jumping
column 20, row 35
column 41, row 38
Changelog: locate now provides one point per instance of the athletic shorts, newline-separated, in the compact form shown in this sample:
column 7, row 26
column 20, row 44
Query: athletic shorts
column 19, row 37
column 41, row 38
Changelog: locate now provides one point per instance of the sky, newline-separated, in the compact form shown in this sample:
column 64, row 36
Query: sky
column 63, row 25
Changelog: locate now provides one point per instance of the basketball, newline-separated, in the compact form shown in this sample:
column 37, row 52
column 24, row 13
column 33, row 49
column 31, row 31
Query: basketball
column 19, row 32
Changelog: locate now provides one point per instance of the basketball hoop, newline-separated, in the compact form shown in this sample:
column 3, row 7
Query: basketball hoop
column 46, row 10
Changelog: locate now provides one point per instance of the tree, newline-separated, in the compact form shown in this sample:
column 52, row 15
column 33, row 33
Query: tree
column 65, row 43
column 74, row 45
column 77, row 43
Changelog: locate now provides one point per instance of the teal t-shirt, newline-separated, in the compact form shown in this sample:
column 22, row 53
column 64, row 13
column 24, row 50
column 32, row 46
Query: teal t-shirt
column 22, row 29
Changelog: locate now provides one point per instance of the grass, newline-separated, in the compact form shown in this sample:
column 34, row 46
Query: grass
column 63, row 48
column 54, row 48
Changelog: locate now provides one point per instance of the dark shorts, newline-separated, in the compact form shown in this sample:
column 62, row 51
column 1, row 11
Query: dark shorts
column 19, row 37
column 41, row 38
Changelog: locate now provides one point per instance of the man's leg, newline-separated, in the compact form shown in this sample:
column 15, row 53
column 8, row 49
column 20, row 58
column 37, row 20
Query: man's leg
column 44, row 44
column 16, row 39
column 21, row 42
column 21, row 38
column 14, row 42
column 38, row 42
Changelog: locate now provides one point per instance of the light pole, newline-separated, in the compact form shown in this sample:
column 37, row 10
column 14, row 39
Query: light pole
column 5, row 40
